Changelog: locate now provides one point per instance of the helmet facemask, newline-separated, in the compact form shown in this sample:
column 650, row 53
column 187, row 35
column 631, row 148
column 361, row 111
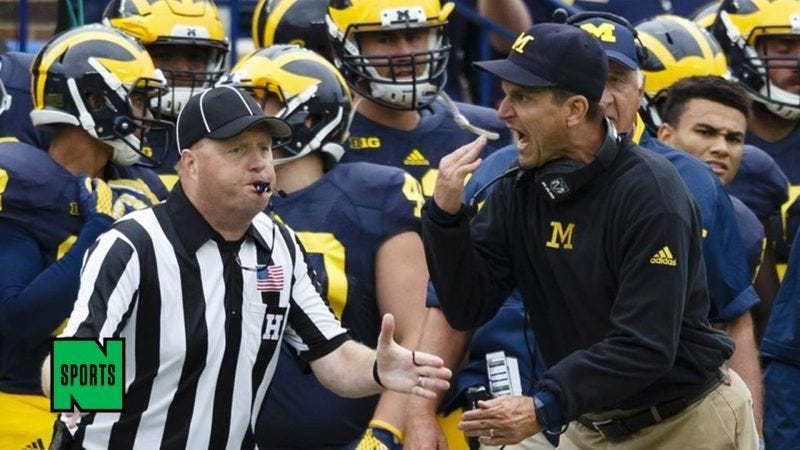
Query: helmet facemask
column 406, row 81
column 752, row 68
column 781, row 102
column 125, row 116
column 303, row 88
column 183, row 83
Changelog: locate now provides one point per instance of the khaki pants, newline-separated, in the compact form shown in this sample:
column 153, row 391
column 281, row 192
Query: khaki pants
column 535, row 442
column 722, row 420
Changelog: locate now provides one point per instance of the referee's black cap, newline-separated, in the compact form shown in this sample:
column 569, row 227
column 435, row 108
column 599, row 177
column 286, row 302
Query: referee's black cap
column 557, row 56
column 223, row 112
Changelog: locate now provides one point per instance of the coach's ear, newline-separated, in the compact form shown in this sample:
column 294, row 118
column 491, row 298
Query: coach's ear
column 576, row 107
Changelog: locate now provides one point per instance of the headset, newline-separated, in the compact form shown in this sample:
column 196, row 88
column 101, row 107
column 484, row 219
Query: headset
column 560, row 16
column 562, row 178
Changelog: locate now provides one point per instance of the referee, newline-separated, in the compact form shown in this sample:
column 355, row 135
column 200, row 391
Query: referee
column 204, row 288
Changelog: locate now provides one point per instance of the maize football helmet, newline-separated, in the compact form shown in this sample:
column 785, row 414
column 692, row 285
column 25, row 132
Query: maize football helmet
column 99, row 78
column 348, row 21
column 741, row 28
column 194, row 24
column 298, row 22
column 313, row 95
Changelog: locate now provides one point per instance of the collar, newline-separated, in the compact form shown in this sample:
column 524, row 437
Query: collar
column 192, row 228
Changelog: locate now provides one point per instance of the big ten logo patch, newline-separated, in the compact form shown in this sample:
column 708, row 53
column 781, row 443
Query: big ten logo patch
column 360, row 143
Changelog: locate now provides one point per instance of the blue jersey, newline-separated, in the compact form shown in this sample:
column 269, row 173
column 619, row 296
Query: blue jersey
column 16, row 75
column 342, row 220
column 418, row 151
column 751, row 230
column 40, row 222
column 786, row 156
column 759, row 183
column 781, row 340
column 729, row 285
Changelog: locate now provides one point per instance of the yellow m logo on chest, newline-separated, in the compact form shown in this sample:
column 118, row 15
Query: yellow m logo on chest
column 561, row 237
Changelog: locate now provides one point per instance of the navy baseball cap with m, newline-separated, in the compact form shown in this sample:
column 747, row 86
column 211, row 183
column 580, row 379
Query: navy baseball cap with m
column 221, row 113
column 557, row 56
column 618, row 39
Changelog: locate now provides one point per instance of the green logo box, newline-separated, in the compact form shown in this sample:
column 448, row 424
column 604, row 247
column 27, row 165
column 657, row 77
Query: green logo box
column 87, row 375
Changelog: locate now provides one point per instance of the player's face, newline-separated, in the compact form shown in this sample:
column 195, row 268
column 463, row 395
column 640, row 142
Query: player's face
column 712, row 132
column 622, row 96
column 225, row 173
column 402, row 42
column 184, row 65
column 535, row 121
column 785, row 71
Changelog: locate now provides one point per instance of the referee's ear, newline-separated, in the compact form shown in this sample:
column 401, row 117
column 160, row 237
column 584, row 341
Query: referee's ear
column 187, row 163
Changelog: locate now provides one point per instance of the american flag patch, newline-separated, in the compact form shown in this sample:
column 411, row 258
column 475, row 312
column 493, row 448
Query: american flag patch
column 269, row 278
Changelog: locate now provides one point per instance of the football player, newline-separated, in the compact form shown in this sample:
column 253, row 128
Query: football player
column 761, row 40
column 393, row 54
column 186, row 41
column 359, row 224
column 93, row 86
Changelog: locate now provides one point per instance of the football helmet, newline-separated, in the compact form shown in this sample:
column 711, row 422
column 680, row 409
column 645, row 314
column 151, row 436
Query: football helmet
column 705, row 15
column 299, row 22
column 98, row 78
column 348, row 20
column 739, row 27
column 313, row 94
column 677, row 48
column 193, row 23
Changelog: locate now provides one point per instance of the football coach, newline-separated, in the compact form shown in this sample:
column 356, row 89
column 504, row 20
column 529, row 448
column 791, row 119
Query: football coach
column 604, row 244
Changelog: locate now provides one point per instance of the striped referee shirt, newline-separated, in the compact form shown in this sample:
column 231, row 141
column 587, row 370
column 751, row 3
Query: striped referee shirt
column 202, row 319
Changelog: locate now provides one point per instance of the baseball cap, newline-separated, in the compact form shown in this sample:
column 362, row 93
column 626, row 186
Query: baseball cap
column 223, row 112
column 554, row 55
column 617, row 39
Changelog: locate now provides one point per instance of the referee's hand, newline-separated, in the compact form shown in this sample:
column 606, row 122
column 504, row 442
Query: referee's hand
column 453, row 170
column 402, row 370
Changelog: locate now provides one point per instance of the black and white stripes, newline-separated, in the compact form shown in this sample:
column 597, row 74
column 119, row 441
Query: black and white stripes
column 200, row 339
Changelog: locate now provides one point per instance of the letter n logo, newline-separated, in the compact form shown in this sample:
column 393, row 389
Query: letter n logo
column 604, row 31
column 561, row 237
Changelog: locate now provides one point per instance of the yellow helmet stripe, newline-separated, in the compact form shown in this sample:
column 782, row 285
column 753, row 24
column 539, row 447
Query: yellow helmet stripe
column 52, row 54
column 287, row 58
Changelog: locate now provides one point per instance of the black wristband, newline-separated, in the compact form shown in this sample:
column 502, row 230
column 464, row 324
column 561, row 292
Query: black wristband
column 375, row 374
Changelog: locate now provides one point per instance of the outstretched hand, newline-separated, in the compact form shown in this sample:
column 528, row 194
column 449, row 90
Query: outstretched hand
column 402, row 370
column 453, row 170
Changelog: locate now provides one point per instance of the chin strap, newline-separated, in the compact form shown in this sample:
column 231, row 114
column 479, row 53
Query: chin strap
column 463, row 122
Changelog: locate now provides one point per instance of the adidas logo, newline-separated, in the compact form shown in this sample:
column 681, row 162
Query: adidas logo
column 415, row 158
column 35, row 445
column 663, row 256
